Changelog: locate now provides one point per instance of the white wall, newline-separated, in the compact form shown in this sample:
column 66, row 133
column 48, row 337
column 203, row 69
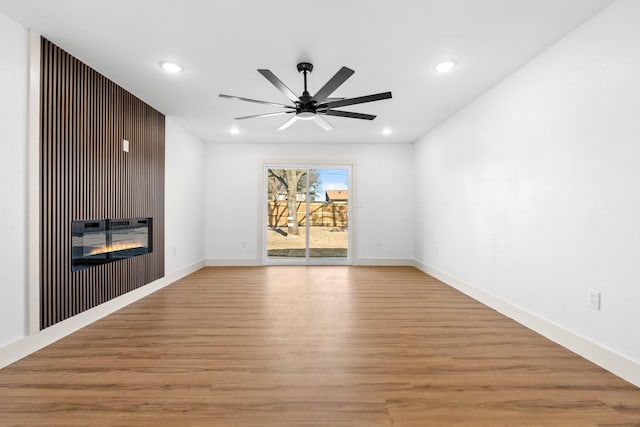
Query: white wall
column 184, row 202
column 532, row 192
column 13, row 180
column 382, row 185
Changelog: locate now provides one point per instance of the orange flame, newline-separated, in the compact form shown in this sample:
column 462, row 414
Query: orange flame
column 120, row 246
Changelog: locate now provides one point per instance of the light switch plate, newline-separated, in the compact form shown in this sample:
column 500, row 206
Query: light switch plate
column 594, row 300
column 125, row 145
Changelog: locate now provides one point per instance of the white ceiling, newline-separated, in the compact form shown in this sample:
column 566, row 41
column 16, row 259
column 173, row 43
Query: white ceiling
column 392, row 45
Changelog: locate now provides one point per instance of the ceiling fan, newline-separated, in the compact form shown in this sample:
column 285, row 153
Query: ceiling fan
column 307, row 107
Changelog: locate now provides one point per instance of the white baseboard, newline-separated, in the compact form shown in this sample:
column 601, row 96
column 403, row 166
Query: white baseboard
column 250, row 262
column 616, row 363
column 27, row 345
column 246, row 262
column 401, row 262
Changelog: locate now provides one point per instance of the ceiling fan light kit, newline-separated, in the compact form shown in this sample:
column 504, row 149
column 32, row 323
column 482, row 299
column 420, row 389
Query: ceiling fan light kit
column 307, row 107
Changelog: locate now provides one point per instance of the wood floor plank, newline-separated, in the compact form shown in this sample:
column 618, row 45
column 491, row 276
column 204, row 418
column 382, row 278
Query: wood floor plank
column 311, row 346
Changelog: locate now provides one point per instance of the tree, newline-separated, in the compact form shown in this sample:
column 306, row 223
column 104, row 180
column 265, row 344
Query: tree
column 288, row 183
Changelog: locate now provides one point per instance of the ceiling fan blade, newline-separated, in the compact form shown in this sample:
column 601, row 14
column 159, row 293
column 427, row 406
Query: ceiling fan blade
column 334, row 83
column 322, row 123
column 289, row 122
column 348, row 114
column 279, row 113
column 358, row 100
column 239, row 98
column 277, row 83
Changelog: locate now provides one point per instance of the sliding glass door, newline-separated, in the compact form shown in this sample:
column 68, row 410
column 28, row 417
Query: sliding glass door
column 307, row 214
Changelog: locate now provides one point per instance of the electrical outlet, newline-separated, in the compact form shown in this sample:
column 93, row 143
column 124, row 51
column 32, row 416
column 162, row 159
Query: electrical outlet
column 594, row 300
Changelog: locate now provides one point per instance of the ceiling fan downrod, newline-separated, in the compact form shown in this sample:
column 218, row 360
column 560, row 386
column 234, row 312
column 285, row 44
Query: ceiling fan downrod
column 303, row 68
column 305, row 108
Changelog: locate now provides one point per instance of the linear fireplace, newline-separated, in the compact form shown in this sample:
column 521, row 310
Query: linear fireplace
column 101, row 241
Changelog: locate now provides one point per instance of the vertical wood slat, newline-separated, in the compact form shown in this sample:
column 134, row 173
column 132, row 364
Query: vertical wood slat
column 85, row 175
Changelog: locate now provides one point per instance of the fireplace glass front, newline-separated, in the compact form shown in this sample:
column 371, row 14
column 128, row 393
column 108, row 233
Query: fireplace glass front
column 98, row 242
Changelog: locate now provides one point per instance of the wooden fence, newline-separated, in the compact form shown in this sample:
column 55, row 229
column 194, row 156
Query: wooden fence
column 323, row 214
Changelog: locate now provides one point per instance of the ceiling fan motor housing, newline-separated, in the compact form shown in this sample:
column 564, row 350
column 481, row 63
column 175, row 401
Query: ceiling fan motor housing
column 306, row 104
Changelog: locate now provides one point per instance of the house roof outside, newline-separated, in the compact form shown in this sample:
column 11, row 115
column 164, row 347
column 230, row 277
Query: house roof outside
column 337, row 195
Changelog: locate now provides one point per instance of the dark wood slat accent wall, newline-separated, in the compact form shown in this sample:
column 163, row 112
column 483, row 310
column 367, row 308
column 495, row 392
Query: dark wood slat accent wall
column 86, row 175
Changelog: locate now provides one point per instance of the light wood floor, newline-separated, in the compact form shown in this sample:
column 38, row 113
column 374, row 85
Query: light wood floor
column 356, row 346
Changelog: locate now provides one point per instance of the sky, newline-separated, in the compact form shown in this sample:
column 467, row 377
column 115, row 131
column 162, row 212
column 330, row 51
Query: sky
column 332, row 179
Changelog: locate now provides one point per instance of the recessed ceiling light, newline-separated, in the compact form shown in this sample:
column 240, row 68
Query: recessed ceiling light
column 386, row 131
column 445, row 66
column 235, row 131
column 170, row 67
